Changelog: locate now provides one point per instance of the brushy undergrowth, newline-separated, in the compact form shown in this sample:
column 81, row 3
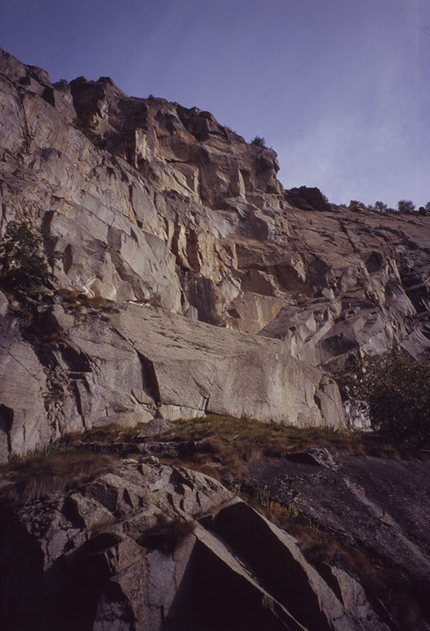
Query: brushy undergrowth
column 78, row 303
column 37, row 475
column 219, row 446
column 395, row 389
column 223, row 444
column 109, row 434
column 268, row 439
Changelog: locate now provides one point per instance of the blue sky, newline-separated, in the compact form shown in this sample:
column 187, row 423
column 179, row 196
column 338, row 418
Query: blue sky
column 339, row 88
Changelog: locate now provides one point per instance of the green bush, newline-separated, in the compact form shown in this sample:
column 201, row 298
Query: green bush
column 380, row 207
column 356, row 205
column 397, row 392
column 406, row 206
column 23, row 262
column 258, row 141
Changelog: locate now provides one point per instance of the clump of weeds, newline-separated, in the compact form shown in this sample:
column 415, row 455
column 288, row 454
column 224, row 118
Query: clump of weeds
column 39, row 474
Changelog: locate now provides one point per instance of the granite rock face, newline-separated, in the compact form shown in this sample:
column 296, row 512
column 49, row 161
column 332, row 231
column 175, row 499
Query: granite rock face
column 70, row 370
column 377, row 507
column 151, row 547
column 190, row 282
column 155, row 204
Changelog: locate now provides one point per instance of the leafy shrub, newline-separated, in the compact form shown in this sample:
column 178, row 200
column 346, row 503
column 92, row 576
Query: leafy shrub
column 258, row 141
column 357, row 206
column 380, row 207
column 406, row 206
column 397, row 392
column 23, row 262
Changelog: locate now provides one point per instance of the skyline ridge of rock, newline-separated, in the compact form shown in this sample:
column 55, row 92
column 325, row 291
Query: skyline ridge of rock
column 156, row 204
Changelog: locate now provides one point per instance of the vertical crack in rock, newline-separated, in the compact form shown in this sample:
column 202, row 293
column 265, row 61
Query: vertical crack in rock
column 79, row 402
column 149, row 377
column 6, row 422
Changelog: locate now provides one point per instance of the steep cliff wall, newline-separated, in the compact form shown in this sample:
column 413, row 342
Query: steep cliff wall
column 67, row 371
column 159, row 205
column 190, row 282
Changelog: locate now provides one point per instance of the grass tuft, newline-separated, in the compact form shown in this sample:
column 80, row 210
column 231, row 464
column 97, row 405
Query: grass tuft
column 110, row 433
column 222, row 445
column 39, row 474
column 167, row 534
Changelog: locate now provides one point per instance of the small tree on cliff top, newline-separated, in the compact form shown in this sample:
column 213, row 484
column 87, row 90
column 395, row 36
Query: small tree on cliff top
column 258, row 141
column 406, row 206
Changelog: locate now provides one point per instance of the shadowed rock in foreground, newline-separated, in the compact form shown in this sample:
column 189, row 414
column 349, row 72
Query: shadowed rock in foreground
column 150, row 547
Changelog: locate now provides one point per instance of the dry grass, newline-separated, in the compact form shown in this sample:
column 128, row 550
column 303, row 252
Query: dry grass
column 227, row 442
column 111, row 433
column 215, row 444
column 221, row 446
column 78, row 303
column 224, row 444
column 167, row 534
column 40, row 474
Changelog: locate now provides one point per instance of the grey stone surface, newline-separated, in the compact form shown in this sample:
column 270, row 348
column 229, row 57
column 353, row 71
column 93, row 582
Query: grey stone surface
column 180, row 246
column 153, row 212
column 141, row 362
column 153, row 547
column 151, row 201
column 4, row 304
column 375, row 506
column 154, row 427
column 186, row 216
column 23, row 421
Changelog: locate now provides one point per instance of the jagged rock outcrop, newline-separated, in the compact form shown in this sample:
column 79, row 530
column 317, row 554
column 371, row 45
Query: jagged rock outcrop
column 375, row 506
column 153, row 203
column 190, row 282
column 150, row 547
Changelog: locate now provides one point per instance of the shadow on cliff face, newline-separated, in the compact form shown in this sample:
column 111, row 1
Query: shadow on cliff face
column 74, row 585
column 21, row 557
column 363, row 514
column 211, row 598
